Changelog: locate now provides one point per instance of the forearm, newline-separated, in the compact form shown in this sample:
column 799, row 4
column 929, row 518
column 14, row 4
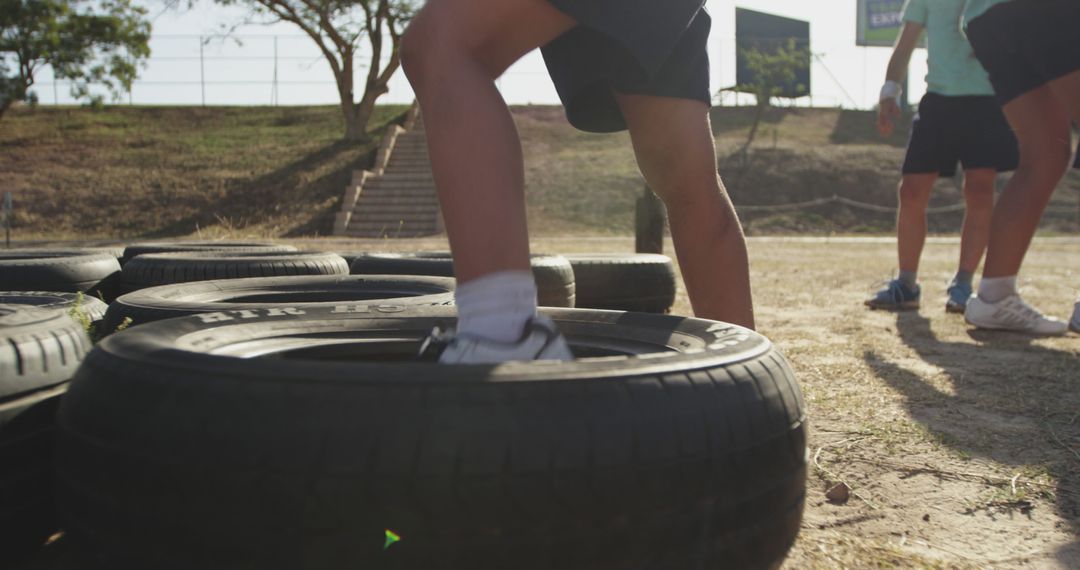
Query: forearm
column 898, row 66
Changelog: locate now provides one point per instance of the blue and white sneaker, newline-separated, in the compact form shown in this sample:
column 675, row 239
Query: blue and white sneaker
column 1074, row 323
column 959, row 293
column 896, row 296
column 540, row 340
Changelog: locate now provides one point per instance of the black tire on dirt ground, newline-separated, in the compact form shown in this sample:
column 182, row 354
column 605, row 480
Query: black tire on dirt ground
column 72, row 271
column 39, row 352
column 153, row 269
column 183, row 246
column 92, row 307
column 554, row 276
column 116, row 251
column 262, row 295
column 351, row 256
column 298, row 441
column 642, row 282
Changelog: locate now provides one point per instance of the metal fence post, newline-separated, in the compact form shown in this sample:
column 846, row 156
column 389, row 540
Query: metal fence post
column 274, row 88
column 650, row 218
column 7, row 219
column 202, row 71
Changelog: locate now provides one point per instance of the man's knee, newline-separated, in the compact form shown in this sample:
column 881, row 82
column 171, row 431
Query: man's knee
column 415, row 47
column 1047, row 161
column 979, row 186
column 915, row 190
column 426, row 47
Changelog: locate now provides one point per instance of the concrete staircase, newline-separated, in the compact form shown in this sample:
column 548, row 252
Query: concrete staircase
column 397, row 197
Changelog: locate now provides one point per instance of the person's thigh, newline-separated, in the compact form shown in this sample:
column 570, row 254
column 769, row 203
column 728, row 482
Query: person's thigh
column 1041, row 124
column 494, row 32
column 1067, row 91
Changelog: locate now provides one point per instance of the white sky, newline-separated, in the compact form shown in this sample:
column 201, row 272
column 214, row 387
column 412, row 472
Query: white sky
column 242, row 73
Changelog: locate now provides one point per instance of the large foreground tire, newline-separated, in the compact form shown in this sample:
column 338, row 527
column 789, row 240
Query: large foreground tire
column 299, row 440
column 39, row 352
column 136, row 249
column 91, row 307
column 153, row 269
column 355, row 293
column 63, row 270
column 640, row 282
column 554, row 276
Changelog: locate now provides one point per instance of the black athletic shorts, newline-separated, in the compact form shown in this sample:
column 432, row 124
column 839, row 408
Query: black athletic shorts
column 969, row 130
column 633, row 47
column 1024, row 44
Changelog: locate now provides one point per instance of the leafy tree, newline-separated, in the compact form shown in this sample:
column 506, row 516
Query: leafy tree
column 775, row 72
column 338, row 27
column 87, row 42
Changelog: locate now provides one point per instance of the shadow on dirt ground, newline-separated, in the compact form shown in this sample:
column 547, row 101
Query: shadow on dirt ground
column 1005, row 399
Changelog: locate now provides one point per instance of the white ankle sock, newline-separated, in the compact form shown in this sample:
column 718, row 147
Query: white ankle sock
column 496, row 306
column 994, row 289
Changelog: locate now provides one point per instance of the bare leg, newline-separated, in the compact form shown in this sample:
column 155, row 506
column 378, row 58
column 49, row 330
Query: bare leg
column 1067, row 91
column 911, row 219
column 452, row 53
column 674, row 148
column 1041, row 124
column 979, row 201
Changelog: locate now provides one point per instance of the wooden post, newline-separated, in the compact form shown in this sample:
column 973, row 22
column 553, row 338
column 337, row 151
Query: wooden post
column 650, row 221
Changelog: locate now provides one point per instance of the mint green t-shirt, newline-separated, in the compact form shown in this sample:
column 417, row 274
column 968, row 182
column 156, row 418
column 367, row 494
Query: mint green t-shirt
column 976, row 8
column 954, row 71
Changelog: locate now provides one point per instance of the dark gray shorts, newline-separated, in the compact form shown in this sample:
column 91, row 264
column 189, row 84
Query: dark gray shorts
column 969, row 130
column 1025, row 44
column 633, row 47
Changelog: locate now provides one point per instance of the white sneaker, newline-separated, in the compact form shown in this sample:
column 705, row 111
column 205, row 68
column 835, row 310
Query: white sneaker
column 539, row 341
column 1074, row 324
column 1012, row 314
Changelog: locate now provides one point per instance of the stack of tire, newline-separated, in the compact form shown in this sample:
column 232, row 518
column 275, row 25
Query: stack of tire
column 40, row 349
column 267, row 409
column 624, row 282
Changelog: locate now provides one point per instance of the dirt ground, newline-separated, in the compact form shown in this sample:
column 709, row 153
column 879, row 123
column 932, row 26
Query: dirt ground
column 961, row 447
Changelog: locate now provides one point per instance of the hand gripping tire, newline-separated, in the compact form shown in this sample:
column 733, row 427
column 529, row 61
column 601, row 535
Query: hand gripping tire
column 187, row 246
column 153, row 269
column 62, row 270
column 261, row 295
column 554, row 276
column 299, row 440
column 39, row 352
column 640, row 282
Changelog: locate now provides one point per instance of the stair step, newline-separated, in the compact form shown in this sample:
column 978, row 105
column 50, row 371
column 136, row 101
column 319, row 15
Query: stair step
column 389, row 200
column 396, row 213
column 400, row 189
column 396, row 202
column 414, row 190
column 410, row 172
column 392, row 229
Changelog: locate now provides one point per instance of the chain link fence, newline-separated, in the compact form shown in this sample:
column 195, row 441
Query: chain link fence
column 290, row 70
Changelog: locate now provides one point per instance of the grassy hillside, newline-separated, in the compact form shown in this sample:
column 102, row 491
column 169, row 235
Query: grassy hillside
column 142, row 171
column 147, row 171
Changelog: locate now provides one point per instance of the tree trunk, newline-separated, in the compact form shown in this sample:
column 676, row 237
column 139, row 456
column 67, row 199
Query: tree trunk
column 757, row 123
column 353, row 130
column 366, row 108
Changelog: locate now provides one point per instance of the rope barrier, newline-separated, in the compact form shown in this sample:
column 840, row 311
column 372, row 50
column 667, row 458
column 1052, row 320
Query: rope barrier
column 835, row 199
